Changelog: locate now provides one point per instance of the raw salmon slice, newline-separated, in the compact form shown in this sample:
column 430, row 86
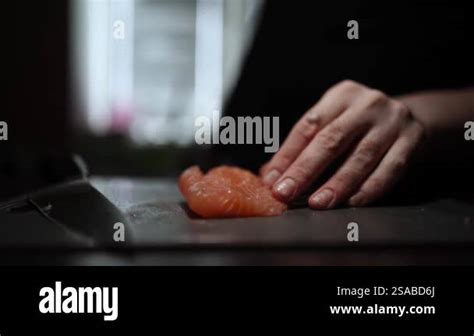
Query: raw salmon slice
column 228, row 192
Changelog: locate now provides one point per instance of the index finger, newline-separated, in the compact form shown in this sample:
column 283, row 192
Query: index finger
column 327, row 109
column 326, row 147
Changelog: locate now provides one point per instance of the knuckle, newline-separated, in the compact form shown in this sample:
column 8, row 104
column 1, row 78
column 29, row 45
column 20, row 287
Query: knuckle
column 398, row 164
column 331, row 139
column 348, row 84
column 366, row 154
column 284, row 160
column 306, row 130
column 344, row 87
column 376, row 97
column 401, row 111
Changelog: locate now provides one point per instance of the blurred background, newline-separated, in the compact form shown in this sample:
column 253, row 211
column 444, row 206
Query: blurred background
column 121, row 81
column 144, row 70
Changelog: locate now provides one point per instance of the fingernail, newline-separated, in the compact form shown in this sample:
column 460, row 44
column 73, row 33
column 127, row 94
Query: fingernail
column 356, row 200
column 271, row 177
column 286, row 188
column 323, row 198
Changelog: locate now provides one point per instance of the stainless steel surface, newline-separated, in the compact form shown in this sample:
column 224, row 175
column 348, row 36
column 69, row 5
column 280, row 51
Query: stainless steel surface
column 69, row 215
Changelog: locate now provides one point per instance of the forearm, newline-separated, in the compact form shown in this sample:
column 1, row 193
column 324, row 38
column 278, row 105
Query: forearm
column 442, row 112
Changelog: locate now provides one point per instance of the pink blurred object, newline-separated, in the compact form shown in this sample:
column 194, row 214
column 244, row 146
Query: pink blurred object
column 121, row 118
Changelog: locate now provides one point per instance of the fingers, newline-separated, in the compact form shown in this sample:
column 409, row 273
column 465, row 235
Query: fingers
column 355, row 170
column 326, row 146
column 326, row 110
column 297, row 140
column 391, row 168
column 347, row 113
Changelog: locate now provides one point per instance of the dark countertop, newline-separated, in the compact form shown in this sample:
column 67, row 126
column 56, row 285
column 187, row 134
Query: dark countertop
column 161, row 231
column 160, row 218
column 438, row 231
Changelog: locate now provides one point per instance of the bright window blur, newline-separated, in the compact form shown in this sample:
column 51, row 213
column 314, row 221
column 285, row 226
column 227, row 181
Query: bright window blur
column 146, row 69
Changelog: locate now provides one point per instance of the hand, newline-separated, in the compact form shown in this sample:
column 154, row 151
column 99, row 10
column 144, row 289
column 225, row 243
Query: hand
column 376, row 134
